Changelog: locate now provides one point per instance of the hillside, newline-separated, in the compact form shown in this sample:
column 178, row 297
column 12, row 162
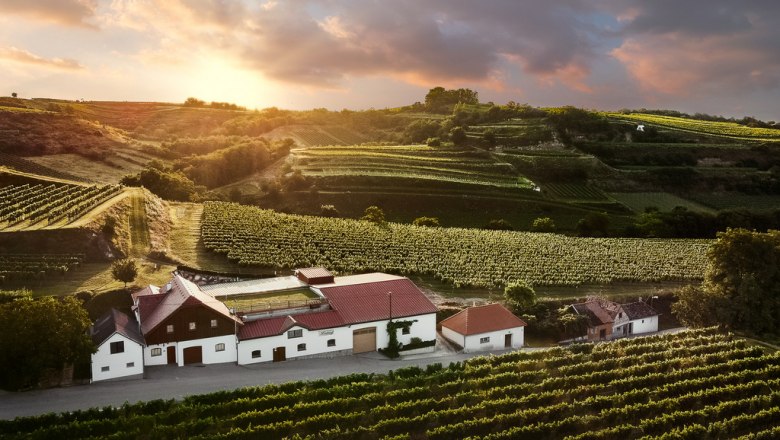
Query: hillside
column 696, row 384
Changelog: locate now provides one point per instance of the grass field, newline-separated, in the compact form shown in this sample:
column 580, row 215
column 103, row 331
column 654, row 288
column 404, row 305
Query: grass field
column 663, row 201
column 273, row 300
column 723, row 201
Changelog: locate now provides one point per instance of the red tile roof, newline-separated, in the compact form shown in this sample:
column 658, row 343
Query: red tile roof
column 482, row 319
column 179, row 292
column 596, row 313
column 367, row 302
column 262, row 328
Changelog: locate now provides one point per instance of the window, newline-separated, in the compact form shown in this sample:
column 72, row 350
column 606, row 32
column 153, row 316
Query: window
column 484, row 340
column 301, row 347
column 406, row 331
column 157, row 352
column 169, row 328
column 213, row 323
column 130, row 364
column 643, row 321
column 117, row 347
column 220, row 347
column 331, row 342
column 103, row 369
column 295, row 334
column 255, row 354
column 620, row 315
column 192, row 326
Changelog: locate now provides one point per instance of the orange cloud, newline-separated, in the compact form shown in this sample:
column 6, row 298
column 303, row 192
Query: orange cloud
column 65, row 12
column 26, row 57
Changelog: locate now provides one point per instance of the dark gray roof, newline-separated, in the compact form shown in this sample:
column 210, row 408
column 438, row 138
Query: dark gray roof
column 595, row 313
column 115, row 321
column 638, row 310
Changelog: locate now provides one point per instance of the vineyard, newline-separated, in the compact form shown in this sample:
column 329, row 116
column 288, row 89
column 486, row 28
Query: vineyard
column 464, row 257
column 727, row 129
column 28, row 166
column 697, row 384
column 22, row 267
column 47, row 204
column 639, row 202
column 574, row 191
column 409, row 162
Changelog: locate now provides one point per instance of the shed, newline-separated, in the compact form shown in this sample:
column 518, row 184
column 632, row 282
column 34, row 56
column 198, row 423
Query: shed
column 314, row 275
column 489, row 327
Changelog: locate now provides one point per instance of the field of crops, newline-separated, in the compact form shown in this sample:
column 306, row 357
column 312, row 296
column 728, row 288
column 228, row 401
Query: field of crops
column 16, row 267
column 574, row 191
column 728, row 129
column 639, row 201
column 464, row 257
column 694, row 385
column 28, row 166
column 409, row 162
column 49, row 203
column 313, row 136
column 723, row 201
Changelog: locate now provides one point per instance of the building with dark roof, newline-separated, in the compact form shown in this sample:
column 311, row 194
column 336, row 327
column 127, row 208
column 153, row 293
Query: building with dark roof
column 610, row 320
column 489, row 327
column 119, row 347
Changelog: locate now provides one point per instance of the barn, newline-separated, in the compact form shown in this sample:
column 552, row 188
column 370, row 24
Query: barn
column 119, row 347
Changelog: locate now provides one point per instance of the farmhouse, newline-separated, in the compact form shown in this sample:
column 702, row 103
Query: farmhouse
column 488, row 327
column 119, row 347
column 310, row 314
column 610, row 320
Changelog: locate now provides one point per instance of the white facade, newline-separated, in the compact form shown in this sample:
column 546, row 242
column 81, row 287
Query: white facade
column 216, row 350
column 486, row 341
column 128, row 362
column 316, row 342
column 625, row 327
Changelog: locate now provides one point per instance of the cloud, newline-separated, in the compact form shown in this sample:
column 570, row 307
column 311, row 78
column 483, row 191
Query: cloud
column 700, row 47
column 66, row 12
column 25, row 57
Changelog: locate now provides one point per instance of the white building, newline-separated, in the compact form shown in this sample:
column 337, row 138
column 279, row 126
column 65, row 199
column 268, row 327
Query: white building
column 610, row 320
column 490, row 327
column 634, row 319
column 355, row 320
column 119, row 347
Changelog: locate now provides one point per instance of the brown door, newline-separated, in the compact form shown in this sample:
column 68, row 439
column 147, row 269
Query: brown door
column 364, row 340
column 171, row 355
column 602, row 334
column 193, row 355
column 508, row 340
column 280, row 354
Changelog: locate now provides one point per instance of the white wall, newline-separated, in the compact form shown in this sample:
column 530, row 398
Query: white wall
column 157, row 360
column 453, row 336
column 117, row 363
column 210, row 355
column 496, row 340
column 649, row 325
column 317, row 340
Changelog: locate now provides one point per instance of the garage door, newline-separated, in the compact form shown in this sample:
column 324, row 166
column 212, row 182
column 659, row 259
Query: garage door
column 193, row 355
column 364, row 340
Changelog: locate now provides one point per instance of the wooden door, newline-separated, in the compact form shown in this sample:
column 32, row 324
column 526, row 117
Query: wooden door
column 364, row 340
column 508, row 340
column 171, row 355
column 603, row 334
column 193, row 355
column 280, row 354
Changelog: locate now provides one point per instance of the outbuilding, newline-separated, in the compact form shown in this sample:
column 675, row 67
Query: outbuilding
column 482, row 328
column 120, row 347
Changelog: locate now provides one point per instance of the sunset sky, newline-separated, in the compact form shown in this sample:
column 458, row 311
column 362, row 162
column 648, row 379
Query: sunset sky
column 713, row 56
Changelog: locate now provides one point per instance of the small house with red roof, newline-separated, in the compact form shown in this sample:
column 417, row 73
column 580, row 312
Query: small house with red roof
column 610, row 320
column 119, row 345
column 481, row 328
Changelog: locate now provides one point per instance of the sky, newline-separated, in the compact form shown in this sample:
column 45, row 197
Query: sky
column 711, row 56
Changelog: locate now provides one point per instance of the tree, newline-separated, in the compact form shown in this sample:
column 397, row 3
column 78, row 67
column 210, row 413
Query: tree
column 741, row 288
column 543, row 224
column 329, row 211
column 374, row 214
column 489, row 138
column 13, row 95
column 433, row 142
column 41, row 335
column 499, row 225
column 458, row 136
column 520, row 296
column 124, row 270
column 194, row 102
column 595, row 224
column 426, row 221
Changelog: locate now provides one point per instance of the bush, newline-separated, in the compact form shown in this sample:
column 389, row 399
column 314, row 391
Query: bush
column 543, row 224
column 499, row 225
column 426, row 221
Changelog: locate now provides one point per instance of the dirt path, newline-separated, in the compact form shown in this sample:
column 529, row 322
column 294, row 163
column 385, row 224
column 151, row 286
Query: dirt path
column 139, row 227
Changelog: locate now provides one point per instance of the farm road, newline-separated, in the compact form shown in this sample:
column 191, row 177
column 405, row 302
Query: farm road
column 170, row 382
